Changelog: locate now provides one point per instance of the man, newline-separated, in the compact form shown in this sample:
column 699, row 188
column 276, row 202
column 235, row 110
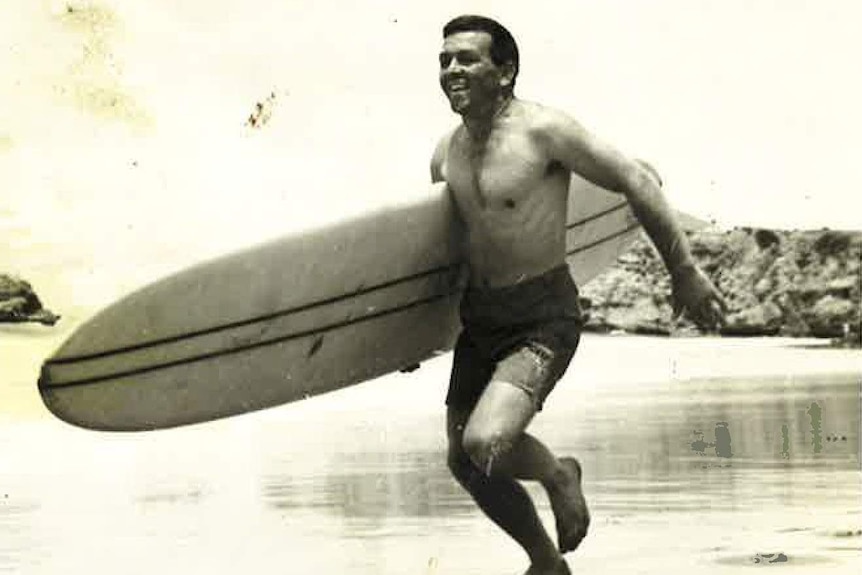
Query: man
column 507, row 166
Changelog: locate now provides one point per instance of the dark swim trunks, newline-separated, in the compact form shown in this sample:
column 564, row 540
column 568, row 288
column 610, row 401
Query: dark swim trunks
column 525, row 334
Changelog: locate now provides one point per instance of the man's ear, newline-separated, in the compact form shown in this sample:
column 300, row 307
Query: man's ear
column 507, row 75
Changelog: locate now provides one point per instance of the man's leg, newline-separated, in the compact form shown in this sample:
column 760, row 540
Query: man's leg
column 495, row 440
column 503, row 500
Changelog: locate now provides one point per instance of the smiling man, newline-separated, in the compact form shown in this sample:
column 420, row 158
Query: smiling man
column 507, row 167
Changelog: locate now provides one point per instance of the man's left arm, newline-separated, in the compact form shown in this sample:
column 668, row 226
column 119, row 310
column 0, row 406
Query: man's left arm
column 569, row 143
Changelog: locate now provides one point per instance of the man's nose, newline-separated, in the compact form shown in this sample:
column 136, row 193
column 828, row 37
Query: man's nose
column 453, row 66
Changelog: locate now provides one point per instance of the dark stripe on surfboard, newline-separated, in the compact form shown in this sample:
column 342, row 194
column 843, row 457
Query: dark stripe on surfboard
column 608, row 238
column 239, row 349
column 250, row 321
column 597, row 215
column 328, row 301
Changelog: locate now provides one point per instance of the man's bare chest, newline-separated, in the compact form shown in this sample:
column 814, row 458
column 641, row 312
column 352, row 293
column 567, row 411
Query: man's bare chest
column 498, row 173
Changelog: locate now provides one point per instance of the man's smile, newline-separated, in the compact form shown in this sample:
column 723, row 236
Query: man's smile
column 456, row 86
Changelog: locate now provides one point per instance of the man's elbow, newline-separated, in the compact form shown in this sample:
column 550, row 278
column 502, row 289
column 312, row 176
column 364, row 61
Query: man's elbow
column 650, row 169
column 639, row 183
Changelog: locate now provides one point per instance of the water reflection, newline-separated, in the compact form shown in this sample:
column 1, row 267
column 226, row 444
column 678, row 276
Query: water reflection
column 714, row 473
column 170, row 496
column 722, row 440
column 766, row 447
column 17, row 542
column 371, row 485
column 700, row 446
column 815, row 413
column 785, row 441
column 721, row 445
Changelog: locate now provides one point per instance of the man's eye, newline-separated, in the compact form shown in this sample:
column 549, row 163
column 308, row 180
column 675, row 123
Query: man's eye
column 445, row 60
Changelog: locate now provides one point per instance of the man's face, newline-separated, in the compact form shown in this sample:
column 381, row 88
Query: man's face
column 468, row 75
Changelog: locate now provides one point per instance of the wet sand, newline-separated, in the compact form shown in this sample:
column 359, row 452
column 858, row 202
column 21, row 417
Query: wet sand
column 700, row 456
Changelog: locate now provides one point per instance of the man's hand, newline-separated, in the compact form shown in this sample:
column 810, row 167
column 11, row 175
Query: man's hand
column 696, row 297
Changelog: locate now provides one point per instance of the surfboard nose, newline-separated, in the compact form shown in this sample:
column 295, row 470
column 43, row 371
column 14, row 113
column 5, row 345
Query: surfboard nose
column 52, row 392
column 47, row 391
column 44, row 381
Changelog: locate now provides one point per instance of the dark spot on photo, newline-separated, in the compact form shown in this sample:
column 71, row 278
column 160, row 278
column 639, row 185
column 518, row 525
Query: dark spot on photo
column 315, row 347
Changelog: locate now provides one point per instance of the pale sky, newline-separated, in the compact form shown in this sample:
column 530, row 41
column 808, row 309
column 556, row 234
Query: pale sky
column 123, row 121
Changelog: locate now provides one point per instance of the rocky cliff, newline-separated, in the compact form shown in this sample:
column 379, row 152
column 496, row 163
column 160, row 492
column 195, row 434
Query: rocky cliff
column 19, row 303
column 793, row 283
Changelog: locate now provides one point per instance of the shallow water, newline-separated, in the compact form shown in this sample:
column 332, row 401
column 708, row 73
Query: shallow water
column 683, row 473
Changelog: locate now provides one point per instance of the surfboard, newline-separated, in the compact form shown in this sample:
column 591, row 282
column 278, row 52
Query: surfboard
column 293, row 318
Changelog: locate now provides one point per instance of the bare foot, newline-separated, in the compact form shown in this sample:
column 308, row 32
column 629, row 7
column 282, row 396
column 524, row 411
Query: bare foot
column 559, row 568
column 569, row 506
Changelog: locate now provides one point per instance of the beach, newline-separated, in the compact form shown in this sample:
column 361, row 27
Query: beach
column 701, row 455
column 128, row 152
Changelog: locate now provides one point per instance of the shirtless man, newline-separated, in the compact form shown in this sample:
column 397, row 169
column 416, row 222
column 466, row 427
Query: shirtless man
column 507, row 166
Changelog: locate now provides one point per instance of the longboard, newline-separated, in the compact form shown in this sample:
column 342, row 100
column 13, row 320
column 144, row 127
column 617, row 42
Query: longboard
column 293, row 318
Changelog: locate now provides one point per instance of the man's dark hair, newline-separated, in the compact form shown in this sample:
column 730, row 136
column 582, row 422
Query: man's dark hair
column 503, row 47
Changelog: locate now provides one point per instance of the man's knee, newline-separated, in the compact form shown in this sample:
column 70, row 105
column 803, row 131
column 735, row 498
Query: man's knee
column 486, row 447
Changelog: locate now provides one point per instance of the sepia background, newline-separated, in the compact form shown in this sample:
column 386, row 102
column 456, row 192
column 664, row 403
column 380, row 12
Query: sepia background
column 137, row 138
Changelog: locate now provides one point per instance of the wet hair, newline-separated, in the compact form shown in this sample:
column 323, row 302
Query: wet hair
column 504, row 49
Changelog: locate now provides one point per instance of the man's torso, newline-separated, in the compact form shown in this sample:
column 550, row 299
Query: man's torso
column 511, row 197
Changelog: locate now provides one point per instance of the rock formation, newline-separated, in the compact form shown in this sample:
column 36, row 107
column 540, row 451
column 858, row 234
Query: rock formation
column 793, row 283
column 19, row 303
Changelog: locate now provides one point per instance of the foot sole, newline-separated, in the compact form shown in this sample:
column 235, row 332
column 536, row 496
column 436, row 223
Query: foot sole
column 573, row 520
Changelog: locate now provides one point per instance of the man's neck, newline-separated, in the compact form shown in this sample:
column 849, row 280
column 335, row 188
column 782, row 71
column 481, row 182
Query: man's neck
column 480, row 124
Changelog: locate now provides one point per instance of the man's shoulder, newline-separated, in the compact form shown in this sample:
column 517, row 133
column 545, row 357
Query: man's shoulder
column 441, row 151
column 548, row 126
column 444, row 141
column 449, row 134
column 540, row 117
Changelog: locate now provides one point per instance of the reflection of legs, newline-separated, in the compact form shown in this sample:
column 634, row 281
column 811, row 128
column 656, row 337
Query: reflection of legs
column 502, row 499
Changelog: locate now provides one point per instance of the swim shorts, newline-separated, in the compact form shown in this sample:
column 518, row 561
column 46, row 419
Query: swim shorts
column 525, row 334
